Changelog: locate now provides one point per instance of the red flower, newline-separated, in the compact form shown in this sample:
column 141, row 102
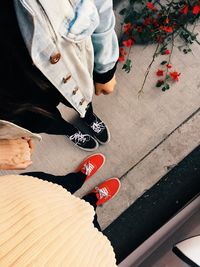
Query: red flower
column 128, row 27
column 151, row 6
column 174, row 75
column 185, row 9
column 168, row 66
column 139, row 28
column 121, row 58
column 128, row 43
column 147, row 21
column 160, row 73
column 122, row 51
column 167, row 52
column 155, row 23
column 196, row 10
column 122, row 54
column 167, row 29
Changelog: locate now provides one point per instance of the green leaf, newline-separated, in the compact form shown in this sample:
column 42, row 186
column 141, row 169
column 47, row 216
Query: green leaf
column 127, row 66
column 163, row 62
column 159, row 83
column 167, row 87
column 123, row 11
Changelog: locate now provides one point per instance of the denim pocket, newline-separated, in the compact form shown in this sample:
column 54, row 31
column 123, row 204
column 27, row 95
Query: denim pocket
column 83, row 24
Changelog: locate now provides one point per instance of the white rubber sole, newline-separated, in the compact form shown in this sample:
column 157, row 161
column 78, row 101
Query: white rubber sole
column 87, row 149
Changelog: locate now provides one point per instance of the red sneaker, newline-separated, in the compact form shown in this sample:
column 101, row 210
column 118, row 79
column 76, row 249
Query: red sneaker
column 91, row 165
column 107, row 190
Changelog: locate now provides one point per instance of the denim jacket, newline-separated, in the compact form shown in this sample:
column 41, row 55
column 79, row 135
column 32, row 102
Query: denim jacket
column 68, row 40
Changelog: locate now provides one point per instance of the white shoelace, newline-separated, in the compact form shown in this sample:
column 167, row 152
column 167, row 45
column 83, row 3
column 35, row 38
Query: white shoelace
column 103, row 192
column 88, row 168
column 98, row 126
column 79, row 137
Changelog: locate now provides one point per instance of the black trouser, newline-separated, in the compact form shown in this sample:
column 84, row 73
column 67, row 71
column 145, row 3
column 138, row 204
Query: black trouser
column 52, row 124
column 72, row 182
column 59, row 126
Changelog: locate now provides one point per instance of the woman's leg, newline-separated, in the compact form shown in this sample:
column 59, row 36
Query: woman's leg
column 103, row 193
column 89, row 116
column 92, row 199
column 59, row 126
column 99, row 129
column 50, row 122
column 55, row 124
column 72, row 181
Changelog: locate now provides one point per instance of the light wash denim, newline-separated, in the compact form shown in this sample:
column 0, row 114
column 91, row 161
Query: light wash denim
column 82, row 31
column 99, row 23
column 104, row 39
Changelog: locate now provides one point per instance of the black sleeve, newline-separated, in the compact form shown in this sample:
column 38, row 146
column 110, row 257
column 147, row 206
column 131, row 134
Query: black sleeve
column 104, row 77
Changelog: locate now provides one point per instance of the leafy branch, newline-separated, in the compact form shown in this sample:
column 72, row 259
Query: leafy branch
column 151, row 21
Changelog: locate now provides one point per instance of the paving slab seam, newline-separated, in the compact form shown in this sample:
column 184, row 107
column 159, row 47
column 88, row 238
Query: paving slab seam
column 164, row 139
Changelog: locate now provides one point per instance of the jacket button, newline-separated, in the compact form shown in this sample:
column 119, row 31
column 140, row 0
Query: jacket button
column 65, row 79
column 55, row 58
column 82, row 101
column 75, row 90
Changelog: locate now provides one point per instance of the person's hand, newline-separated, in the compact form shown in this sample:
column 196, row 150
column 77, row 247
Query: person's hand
column 20, row 166
column 105, row 88
column 15, row 154
column 30, row 143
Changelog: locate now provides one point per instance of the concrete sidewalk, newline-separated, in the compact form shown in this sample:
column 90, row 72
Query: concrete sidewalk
column 150, row 134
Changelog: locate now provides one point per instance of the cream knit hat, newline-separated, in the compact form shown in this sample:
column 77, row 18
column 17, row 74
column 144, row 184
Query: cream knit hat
column 42, row 224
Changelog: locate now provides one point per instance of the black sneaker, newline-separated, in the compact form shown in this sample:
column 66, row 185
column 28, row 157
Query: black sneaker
column 99, row 130
column 84, row 141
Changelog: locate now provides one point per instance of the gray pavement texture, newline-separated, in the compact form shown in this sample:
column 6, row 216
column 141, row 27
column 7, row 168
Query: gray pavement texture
column 150, row 133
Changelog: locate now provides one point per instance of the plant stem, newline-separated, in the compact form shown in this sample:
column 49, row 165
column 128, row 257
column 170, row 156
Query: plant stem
column 169, row 59
column 148, row 70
